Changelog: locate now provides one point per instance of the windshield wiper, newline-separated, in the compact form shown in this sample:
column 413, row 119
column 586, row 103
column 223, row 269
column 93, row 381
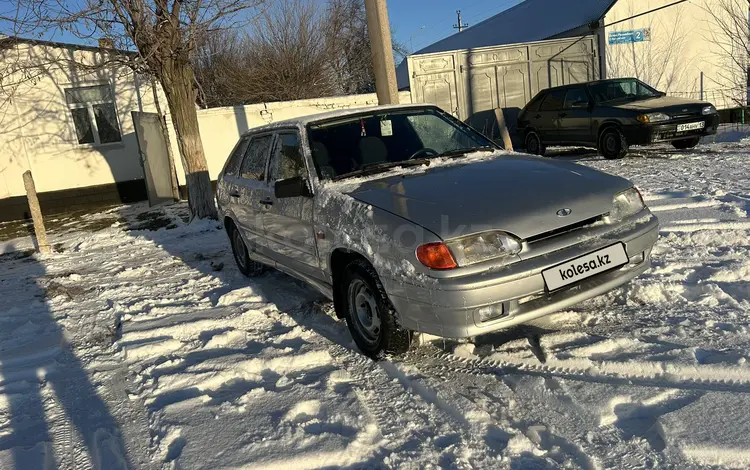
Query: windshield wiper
column 463, row 151
column 381, row 167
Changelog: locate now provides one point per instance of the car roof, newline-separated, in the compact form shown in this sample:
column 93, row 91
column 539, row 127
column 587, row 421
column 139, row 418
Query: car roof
column 312, row 118
column 593, row 82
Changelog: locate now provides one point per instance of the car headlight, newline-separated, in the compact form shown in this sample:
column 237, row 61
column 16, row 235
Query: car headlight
column 709, row 110
column 483, row 246
column 625, row 204
column 653, row 117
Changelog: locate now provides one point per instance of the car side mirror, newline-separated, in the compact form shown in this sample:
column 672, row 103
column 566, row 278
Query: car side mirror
column 292, row 187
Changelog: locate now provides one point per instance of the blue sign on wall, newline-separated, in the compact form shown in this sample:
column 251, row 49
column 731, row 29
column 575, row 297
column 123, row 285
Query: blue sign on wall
column 628, row 37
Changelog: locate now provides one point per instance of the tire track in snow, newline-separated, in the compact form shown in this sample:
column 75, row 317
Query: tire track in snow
column 546, row 414
column 653, row 374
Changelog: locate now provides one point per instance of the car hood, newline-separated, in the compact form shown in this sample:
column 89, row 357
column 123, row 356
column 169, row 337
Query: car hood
column 518, row 194
column 665, row 103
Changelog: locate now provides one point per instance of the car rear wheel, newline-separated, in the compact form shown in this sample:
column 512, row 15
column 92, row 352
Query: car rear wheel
column 612, row 144
column 686, row 143
column 246, row 266
column 534, row 144
column 370, row 315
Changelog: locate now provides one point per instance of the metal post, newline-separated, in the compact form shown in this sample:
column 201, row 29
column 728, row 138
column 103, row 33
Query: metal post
column 379, row 31
column 36, row 214
column 701, row 86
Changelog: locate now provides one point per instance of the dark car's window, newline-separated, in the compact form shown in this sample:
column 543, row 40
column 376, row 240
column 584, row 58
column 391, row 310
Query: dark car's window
column 287, row 161
column 232, row 166
column 627, row 89
column 576, row 98
column 343, row 146
column 254, row 164
column 553, row 101
column 533, row 105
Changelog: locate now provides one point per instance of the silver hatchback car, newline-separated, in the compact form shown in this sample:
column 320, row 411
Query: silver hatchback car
column 411, row 221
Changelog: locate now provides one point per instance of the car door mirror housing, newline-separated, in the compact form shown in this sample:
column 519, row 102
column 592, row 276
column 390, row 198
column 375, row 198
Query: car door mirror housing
column 292, row 187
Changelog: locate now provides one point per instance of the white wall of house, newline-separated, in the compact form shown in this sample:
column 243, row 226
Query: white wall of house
column 221, row 127
column 37, row 129
column 683, row 41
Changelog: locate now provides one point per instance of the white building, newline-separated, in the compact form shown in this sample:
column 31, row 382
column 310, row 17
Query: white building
column 65, row 114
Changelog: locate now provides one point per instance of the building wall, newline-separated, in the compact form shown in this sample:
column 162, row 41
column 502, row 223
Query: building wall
column 37, row 130
column 685, row 40
column 221, row 127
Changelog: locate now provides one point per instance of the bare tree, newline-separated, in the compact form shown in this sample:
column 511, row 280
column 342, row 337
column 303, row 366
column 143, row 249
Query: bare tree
column 166, row 35
column 294, row 50
column 730, row 33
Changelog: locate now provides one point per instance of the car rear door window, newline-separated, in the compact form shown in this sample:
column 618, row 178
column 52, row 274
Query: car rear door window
column 232, row 166
column 254, row 165
column 553, row 101
column 533, row 105
column 287, row 161
column 576, row 98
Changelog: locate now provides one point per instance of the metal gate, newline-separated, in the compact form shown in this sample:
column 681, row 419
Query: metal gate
column 470, row 81
column 154, row 158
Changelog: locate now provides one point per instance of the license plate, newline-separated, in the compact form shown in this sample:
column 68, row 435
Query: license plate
column 585, row 266
column 691, row 126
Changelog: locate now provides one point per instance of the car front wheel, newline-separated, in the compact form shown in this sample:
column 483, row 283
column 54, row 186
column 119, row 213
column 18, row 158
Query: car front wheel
column 370, row 315
column 534, row 144
column 686, row 143
column 612, row 144
column 246, row 266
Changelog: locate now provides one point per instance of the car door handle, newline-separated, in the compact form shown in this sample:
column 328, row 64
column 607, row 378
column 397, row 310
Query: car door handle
column 266, row 202
column 537, row 116
column 562, row 114
column 234, row 194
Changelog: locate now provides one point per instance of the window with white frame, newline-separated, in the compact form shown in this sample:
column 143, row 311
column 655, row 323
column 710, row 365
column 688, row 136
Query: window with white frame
column 94, row 114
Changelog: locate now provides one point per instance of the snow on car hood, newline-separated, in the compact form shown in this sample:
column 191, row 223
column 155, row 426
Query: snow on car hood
column 516, row 193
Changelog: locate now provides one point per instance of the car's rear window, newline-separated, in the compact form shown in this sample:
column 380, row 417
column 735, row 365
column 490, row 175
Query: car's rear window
column 533, row 105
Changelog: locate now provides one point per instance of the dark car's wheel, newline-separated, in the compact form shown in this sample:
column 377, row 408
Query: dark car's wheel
column 686, row 143
column 246, row 266
column 534, row 144
column 612, row 144
column 370, row 315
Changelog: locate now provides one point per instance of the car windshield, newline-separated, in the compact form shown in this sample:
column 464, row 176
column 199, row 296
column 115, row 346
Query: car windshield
column 365, row 143
column 621, row 90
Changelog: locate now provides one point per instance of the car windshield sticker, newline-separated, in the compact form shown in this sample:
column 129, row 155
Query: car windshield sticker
column 364, row 132
column 386, row 128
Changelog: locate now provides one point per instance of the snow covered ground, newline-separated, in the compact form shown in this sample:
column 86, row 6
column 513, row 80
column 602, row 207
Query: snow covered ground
column 147, row 349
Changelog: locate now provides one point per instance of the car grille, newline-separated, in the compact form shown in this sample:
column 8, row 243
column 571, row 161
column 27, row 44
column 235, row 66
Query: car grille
column 568, row 228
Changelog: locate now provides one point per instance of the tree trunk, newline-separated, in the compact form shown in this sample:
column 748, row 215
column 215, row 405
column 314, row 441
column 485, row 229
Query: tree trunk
column 177, row 80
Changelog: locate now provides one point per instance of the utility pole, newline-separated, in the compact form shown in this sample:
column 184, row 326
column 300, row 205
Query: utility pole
column 460, row 26
column 379, row 31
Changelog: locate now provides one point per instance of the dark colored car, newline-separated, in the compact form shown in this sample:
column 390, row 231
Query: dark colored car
column 611, row 115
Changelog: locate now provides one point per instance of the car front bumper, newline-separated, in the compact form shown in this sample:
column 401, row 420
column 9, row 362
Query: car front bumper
column 645, row 134
column 450, row 307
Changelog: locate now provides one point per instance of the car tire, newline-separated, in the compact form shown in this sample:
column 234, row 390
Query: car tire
column 534, row 144
column 369, row 313
column 612, row 144
column 686, row 143
column 247, row 266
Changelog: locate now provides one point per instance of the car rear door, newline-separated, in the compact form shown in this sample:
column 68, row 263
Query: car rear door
column 288, row 220
column 252, row 190
column 574, row 124
column 548, row 115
